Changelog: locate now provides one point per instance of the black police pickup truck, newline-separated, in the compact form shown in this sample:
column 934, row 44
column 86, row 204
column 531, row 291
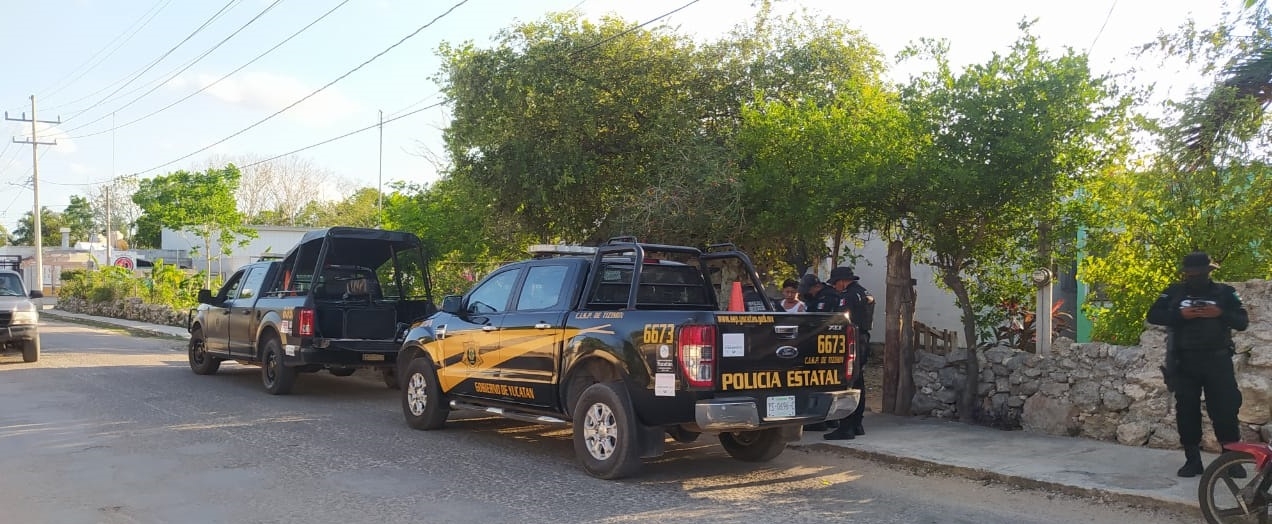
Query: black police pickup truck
column 340, row 300
column 628, row 342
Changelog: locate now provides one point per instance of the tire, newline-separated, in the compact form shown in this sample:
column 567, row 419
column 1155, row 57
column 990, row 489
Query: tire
column 276, row 377
column 605, row 433
column 201, row 363
column 341, row 372
column 422, row 401
column 390, row 378
column 1216, row 486
column 754, row 446
column 31, row 350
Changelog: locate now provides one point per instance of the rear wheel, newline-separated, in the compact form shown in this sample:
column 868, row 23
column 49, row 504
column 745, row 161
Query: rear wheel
column 31, row 350
column 422, row 401
column 276, row 377
column 754, row 446
column 605, row 436
column 1220, row 493
column 341, row 372
column 201, row 363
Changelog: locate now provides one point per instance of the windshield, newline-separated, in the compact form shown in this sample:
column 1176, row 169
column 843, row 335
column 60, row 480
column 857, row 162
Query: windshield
column 10, row 285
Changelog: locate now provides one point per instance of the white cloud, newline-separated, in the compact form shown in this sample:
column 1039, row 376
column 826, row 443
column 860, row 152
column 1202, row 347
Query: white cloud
column 268, row 92
column 81, row 169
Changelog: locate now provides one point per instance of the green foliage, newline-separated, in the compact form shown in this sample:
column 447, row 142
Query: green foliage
column 166, row 285
column 50, row 226
column 5, row 238
column 78, row 216
column 359, row 209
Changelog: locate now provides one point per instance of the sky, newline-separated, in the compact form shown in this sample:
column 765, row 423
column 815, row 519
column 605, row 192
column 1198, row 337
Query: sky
column 76, row 56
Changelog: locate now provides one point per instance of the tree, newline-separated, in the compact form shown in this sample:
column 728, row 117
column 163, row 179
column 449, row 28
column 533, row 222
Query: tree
column 276, row 192
column 5, row 238
column 78, row 217
column 199, row 202
column 359, row 209
column 1011, row 140
column 117, row 194
column 50, row 226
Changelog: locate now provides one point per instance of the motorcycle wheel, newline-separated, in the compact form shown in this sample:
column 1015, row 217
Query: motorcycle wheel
column 1219, row 493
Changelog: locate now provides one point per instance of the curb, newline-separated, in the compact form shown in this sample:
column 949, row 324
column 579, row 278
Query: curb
column 135, row 331
column 1002, row 478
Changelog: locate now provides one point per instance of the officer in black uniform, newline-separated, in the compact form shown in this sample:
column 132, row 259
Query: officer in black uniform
column 1200, row 315
column 855, row 299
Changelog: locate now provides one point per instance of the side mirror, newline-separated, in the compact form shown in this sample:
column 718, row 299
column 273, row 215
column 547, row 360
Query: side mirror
column 37, row 294
column 453, row 304
column 205, row 296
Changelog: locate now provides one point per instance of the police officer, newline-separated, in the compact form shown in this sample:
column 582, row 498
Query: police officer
column 819, row 297
column 1200, row 315
column 855, row 299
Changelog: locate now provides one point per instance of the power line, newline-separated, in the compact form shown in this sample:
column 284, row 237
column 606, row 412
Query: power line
column 1107, row 16
column 144, row 20
column 156, row 61
column 183, row 69
column 219, row 80
column 310, row 95
column 346, row 135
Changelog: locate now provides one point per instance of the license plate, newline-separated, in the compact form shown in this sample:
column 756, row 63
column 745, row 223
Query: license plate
column 373, row 358
column 781, row 407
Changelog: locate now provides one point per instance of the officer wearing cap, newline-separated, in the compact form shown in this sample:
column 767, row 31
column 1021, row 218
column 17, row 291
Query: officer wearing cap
column 819, row 297
column 855, row 299
column 1200, row 315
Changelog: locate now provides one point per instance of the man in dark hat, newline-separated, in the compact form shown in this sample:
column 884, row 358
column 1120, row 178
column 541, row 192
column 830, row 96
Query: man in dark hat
column 859, row 303
column 818, row 297
column 1199, row 315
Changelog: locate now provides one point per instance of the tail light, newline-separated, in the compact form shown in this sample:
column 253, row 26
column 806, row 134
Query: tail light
column 305, row 322
column 696, row 351
column 851, row 358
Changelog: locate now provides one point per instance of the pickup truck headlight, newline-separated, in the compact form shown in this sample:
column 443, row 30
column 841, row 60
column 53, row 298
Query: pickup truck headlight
column 25, row 317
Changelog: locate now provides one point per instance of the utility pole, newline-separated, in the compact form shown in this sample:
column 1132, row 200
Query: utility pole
column 35, row 186
column 110, row 260
column 379, row 206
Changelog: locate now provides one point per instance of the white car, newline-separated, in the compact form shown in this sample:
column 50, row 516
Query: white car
column 19, row 317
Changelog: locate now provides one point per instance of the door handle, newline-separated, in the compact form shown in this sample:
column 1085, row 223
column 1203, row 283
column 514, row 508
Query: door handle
column 542, row 325
column 247, row 312
column 489, row 328
column 786, row 331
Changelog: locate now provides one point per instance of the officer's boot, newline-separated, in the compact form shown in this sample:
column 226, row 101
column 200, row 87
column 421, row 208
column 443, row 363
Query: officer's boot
column 857, row 429
column 1192, row 464
column 843, row 432
column 1236, row 471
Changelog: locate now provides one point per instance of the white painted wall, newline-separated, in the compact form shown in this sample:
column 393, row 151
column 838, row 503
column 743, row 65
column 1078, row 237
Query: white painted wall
column 934, row 306
column 270, row 239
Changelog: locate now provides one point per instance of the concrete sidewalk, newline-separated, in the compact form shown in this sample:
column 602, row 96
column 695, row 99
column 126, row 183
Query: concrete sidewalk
column 1078, row 466
column 132, row 326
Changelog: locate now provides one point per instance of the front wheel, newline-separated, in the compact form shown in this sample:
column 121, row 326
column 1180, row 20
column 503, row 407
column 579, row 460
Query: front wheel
column 605, row 436
column 1220, row 493
column 276, row 377
column 201, row 363
column 31, row 350
column 754, row 446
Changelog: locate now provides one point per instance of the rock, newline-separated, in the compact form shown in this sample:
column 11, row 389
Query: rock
column 1250, row 433
column 928, row 361
column 1133, row 433
column 1017, row 378
column 987, row 376
column 1099, row 427
column 947, row 396
column 1053, row 389
column 999, row 355
column 1015, row 401
column 1002, row 385
column 924, row 405
column 951, row 378
column 998, row 402
column 1059, row 377
column 1125, row 356
column 1026, row 389
column 1114, row 400
column 1265, row 432
column 1062, row 345
column 1091, row 351
column 1001, row 370
column 1043, row 414
column 957, row 356
column 984, row 388
column 1256, row 398
column 1033, row 372
column 922, row 379
column 1165, row 437
column 1136, row 392
column 1085, row 395
column 1017, row 361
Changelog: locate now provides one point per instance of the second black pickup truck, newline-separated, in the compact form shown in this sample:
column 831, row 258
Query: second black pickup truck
column 627, row 343
column 340, row 300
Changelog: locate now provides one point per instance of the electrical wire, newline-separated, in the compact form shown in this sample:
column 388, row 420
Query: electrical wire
column 144, row 20
column 156, row 61
column 1107, row 16
column 310, row 95
column 219, row 80
column 177, row 73
column 346, row 135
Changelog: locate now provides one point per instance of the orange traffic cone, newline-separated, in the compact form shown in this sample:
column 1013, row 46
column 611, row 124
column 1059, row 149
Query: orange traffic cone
column 735, row 298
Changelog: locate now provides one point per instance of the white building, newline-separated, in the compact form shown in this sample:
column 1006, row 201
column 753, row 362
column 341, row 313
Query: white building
column 275, row 240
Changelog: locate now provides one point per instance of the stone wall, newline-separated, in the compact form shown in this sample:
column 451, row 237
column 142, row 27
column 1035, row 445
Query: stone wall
column 130, row 309
column 1099, row 390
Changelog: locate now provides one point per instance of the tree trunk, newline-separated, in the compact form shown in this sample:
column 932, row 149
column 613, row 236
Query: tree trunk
column 905, row 384
column 836, row 245
column 896, row 400
column 967, row 403
column 207, row 258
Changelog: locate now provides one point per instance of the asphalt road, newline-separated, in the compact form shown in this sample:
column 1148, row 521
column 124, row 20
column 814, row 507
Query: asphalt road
column 109, row 428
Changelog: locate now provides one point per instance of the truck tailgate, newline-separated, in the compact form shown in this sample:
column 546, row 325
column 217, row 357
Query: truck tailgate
column 775, row 351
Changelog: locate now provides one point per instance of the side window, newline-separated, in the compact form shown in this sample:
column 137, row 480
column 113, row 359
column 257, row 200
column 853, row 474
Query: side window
column 492, row 295
column 613, row 285
column 252, row 283
column 542, row 288
column 229, row 291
